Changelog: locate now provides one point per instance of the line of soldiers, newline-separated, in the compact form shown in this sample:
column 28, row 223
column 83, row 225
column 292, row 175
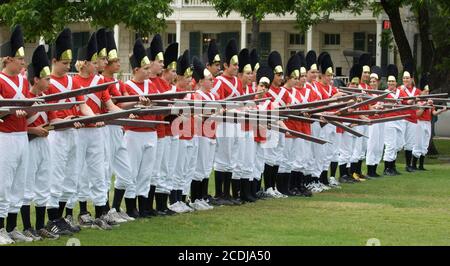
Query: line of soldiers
column 156, row 168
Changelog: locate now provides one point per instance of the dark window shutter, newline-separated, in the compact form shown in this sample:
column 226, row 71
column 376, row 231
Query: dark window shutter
column 194, row 44
column 264, row 47
column 359, row 43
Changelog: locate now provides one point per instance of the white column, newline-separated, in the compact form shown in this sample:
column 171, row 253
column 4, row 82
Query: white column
column 178, row 34
column 309, row 39
column 378, row 42
column 116, row 36
column 243, row 34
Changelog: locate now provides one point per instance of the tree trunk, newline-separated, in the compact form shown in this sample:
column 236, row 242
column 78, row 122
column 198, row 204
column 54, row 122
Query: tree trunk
column 254, row 40
column 393, row 13
column 427, row 50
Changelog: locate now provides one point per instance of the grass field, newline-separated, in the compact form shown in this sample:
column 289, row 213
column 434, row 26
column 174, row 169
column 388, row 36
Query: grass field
column 411, row 209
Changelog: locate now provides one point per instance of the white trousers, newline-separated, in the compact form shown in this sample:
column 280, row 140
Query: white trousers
column 346, row 147
column 205, row 158
column 225, row 148
column 360, row 147
column 258, row 167
column 303, row 157
column 161, row 166
column 37, row 184
column 185, row 168
column 91, row 181
column 117, row 157
column 393, row 139
column 375, row 144
column 317, row 149
column 65, row 166
column 13, row 170
column 245, row 156
column 330, row 152
column 410, row 135
column 287, row 156
column 142, row 152
column 273, row 147
column 423, row 136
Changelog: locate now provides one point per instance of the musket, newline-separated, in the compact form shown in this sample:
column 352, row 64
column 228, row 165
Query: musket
column 245, row 97
column 151, row 97
column 346, row 128
column 440, row 100
column 40, row 107
column 341, row 119
column 387, row 119
column 437, row 95
column 299, row 134
column 136, row 123
column 359, row 90
column 19, row 102
column 77, row 92
column 365, row 102
column 174, row 110
column 233, row 119
column 303, row 118
column 325, row 108
column 92, row 119
column 320, row 102
column 255, row 115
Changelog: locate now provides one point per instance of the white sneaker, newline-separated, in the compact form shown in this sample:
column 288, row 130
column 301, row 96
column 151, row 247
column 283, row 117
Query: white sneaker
column 271, row 193
column 315, row 188
column 334, row 183
column 177, row 207
column 115, row 216
column 5, row 239
column 198, row 206
column 209, row 207
column 281, row 195
column 323, row 186
column 185, row 207
column 19, row 237
column 125, row 216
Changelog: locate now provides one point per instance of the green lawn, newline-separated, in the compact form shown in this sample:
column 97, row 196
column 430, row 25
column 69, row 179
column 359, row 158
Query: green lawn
column 411, row 209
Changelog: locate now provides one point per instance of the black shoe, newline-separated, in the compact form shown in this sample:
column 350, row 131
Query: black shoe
column 134, row 213
column 346, row 179
column 145, row 215
column 409, row 169
column 389, row 172
column 65, row 225
column 305, row 192
column 421, row 168
column 55, row 227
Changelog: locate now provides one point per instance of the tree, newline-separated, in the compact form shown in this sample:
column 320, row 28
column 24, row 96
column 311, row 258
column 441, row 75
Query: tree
column 253, row 10
column 48, row 17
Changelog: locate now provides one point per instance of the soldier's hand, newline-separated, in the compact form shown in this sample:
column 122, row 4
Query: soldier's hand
column 100, row 124
column 132, row 116
column 144, row 101
column 78, row 125
column 39, row 131
column 21, row 113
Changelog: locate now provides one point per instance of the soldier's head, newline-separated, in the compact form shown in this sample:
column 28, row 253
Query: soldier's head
column 38, row 73
column 62, row 53
column 213, row 64
column 408, row 74
column 311, row 66
column 170, row 63
column 87, row 59
column 231, row 64
column 201, row 74
column 392, row 73
column 245, row 67
column 113, row 61
column 101, row 50
column 375, row 77
column 264, row 77
column 156, row 55
column 139, row 62
column 13, row 53
column 184, row 71
column 364, row 61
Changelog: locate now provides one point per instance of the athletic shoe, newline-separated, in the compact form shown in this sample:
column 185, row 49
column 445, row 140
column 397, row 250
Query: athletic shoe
column 197, row 205
column 5, row 239
column 125, row 216
column 186, row 207
column 334, row 183
column 72, row 226
column 209, row 207
column 101, row 223
column 178, row 207
column 279, row 194
column 19, row 237
column 31, row 233
column 323, row 186
column 85, row 220
column 271, row 193
column 55, row 227
column 110, row 219
column 44, row 234
column 115, row 217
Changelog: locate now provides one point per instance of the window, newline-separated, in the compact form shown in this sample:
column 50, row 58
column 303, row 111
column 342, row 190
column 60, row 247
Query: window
column 296, row 39
column 171, row 38
column 332, row 39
